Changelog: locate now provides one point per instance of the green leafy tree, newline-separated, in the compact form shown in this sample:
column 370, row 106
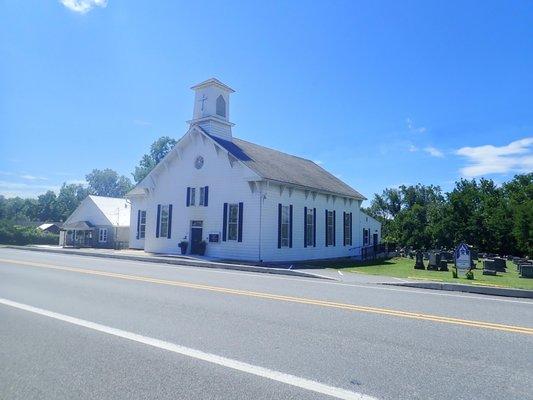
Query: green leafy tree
column 69, row 197
column 108, row 183
column 519, row 192
column 47, row 207
column 17, row 209
column 158, row 150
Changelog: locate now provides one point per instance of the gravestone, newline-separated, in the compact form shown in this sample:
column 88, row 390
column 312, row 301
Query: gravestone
column 525, row 269
column 499, row 264
column 447, row 256
column 489, row 267
column 419, row 260
column 434, row 261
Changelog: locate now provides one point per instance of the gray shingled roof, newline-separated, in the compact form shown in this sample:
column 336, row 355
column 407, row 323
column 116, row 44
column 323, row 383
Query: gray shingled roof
column 285, row 168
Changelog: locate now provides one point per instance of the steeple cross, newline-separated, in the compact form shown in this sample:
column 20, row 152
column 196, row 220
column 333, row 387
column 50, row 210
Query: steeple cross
column 203, row 99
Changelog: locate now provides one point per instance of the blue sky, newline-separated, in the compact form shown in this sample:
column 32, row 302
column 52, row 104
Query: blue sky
column 379, row 93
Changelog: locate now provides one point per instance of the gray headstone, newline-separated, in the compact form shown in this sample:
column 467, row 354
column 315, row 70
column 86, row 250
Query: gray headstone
column 499, row 264
column 434, row 261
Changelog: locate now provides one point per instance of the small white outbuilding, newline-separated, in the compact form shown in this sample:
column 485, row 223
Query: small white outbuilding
column 97, row 222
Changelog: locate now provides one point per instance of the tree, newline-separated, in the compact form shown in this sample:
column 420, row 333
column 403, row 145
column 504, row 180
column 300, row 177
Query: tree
column 108, row 183
column 69, row 197
column 17, row 209
column 404, row 213
column 519, row 192
column 158, row 150
column 47, row 209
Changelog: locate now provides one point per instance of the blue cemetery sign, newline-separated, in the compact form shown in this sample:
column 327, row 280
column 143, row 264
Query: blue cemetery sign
column 463, row 258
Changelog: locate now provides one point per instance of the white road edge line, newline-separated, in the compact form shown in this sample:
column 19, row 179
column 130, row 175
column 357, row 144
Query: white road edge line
column 199, row 355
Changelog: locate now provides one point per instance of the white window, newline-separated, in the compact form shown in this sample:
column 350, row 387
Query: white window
column 347, row 229
column 309, row 227
column 329, row 229
column 233, row 221
column 285, row 226
column 193, row 196
column 142, row 225
column 202, row 196
column 102, row 235
column 163, row 221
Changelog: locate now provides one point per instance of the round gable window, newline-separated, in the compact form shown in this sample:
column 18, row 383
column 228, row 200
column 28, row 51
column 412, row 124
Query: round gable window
column 199, row 162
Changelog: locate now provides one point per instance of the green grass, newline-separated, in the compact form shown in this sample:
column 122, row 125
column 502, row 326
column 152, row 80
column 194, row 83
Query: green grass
column 403, row 268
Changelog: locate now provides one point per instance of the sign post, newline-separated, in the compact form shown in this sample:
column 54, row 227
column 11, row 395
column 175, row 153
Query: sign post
column 463, row 258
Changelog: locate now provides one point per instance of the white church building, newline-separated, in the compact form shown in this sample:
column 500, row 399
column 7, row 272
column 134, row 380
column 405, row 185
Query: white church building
column 239, row 200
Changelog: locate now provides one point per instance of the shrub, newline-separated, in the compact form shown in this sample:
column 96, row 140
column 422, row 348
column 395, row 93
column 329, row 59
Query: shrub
column 22, row 235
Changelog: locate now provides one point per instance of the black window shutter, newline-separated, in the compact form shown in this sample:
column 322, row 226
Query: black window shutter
column 344, row 228
column 188, row 196
column 225, row 222
column 305, row 226
column 279, row 225
column 290, row 225
column 334, row 228
column 138, row 222
column 314, row 227
column 239, row 236
column 206, row 196
column 326, row 226
column 169, row 221
column 351, row 238
column 157, row 220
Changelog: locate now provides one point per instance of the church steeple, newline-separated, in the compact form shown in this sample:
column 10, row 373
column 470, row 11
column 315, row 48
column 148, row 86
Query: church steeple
column 211, row 108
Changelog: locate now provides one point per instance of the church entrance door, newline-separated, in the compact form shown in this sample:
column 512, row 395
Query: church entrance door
column 196, row 236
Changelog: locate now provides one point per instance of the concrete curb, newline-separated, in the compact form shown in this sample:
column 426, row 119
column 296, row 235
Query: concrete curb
column 455, row 287
column 179, row 261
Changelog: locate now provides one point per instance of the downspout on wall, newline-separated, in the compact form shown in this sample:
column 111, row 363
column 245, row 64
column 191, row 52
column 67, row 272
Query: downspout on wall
column 261, row 199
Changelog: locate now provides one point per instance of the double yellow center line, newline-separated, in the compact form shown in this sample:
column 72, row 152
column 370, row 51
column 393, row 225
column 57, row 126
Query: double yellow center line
column 289, row 299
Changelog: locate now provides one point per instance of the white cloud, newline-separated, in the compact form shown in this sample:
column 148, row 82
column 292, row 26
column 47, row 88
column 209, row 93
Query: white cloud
column 517, row 156
column 33, row 177
column 83, row 6
column 412, row 148
column 77, row 182
column 29, row 186
column 23, row 175
column 434, row 152
column 413, row 128
column 14, row 189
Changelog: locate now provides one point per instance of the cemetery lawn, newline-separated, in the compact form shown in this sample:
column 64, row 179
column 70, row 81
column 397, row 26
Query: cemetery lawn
column 403, row 268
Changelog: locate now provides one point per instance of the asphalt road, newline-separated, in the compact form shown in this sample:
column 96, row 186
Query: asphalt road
column 74, row 327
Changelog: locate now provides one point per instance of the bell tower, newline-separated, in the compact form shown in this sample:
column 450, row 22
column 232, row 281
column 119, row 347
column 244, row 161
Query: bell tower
column 211, row 108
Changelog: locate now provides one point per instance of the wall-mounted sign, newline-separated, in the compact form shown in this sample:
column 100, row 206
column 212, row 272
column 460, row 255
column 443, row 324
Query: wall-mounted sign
column 214, row 237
